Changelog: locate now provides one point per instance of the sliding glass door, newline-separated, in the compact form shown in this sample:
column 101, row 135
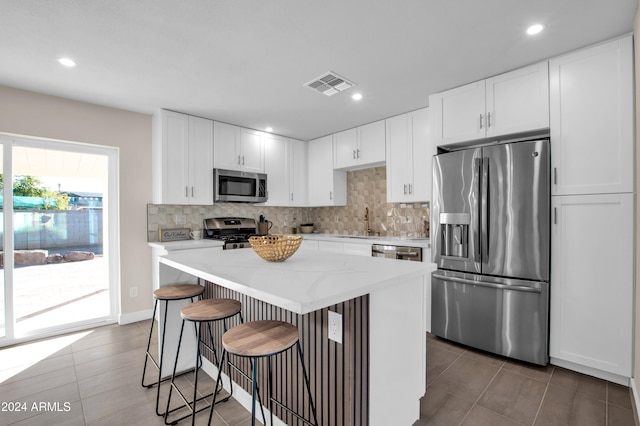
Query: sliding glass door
column 57, row 254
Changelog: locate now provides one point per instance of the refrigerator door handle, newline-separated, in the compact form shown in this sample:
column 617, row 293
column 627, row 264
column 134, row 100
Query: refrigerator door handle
column 484, row 212
column 475, row 217
column 488, row 284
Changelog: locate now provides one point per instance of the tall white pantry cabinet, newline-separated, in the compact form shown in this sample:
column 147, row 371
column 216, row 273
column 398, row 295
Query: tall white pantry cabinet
column 591, row 121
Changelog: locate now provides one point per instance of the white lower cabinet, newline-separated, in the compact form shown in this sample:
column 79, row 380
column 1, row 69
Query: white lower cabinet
column 592, row 284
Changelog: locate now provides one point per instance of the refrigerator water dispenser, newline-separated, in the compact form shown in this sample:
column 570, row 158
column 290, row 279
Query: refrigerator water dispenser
column 454, row 234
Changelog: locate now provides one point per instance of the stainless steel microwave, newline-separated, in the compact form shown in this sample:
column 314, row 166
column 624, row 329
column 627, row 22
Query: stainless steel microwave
column 239, row 187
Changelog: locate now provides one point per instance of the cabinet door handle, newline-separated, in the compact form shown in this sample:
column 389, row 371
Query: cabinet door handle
column 192, row 191
column 488, row 119
column 238, row 160
column 292, row 196
column 481, row 121
column 354, row 154
column 357, row 153
column 555, row 175
column 186, row 191
column 331, row 195
column 405, row 189
column 410, row 188
column 243, row 160
column 555, row 215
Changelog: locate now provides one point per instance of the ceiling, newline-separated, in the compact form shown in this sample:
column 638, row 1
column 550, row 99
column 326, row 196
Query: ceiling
column 245, row 61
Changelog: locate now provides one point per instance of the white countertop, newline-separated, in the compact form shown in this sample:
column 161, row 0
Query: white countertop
column 398, row 241
column 186, row 244
column 305, row 282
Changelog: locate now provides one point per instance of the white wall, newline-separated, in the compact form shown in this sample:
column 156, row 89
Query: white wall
column 636, row 361
column 33, row 114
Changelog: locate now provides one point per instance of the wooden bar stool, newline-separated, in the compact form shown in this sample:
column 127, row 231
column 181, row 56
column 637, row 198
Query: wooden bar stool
column 258, row 339
column 166, row 294
column 203, row 311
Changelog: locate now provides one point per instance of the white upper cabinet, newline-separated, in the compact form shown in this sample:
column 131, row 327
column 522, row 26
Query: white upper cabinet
column 514, row 102
column 182, row 159
column 591, row 96
column 236, row 148
column 327, row 187
column 409, row 155
column 518, row 101
column 298, row 173
column 360, row 147
column 285, row 165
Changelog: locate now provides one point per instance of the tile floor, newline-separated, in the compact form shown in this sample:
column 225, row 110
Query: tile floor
column 467, row 387
column 90, row 378
column 93, row 378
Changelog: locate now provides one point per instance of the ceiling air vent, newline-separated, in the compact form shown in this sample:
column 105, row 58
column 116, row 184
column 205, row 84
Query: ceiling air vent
column 329, row 84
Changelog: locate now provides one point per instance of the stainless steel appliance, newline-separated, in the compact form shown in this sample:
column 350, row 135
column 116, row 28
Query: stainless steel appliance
column 397, row 252
column 234, row 231
column 239, row 187
column 491, row 241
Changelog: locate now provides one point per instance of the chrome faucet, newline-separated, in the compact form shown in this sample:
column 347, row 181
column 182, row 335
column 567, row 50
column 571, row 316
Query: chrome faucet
column 367, row 230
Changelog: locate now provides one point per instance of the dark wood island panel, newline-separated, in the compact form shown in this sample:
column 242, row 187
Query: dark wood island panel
column 338, row 373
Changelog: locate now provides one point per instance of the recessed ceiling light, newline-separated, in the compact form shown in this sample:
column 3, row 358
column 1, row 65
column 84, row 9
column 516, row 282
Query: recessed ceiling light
column 269, row 129
column 67, row 62
column 535, row 29
column 356, row 96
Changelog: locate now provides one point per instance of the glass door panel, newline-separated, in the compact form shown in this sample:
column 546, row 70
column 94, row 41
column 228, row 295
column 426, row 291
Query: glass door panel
column 60, row 275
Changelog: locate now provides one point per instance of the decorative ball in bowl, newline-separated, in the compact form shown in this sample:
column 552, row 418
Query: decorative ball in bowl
column 306, row 228
column 275, row 248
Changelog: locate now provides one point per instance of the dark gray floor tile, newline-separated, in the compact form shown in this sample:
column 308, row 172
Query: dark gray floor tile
column 480, row 416
column 620, row 416
column 580, row 383
column 438, row 360
column 47, row 365
column 443, row 408
column 33, row 385
column 106, row 364
column 619, row 395
column 562, row 406
column 467, row 378
column 445, row 344
column 485, row 357
column 514, row 396
column 542, row 374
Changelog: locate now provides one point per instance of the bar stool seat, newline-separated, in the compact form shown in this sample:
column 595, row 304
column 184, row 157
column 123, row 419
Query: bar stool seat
column 210, row 310
column 166, row 294
column 203, row 311
column 258, row 339
column 178, row 291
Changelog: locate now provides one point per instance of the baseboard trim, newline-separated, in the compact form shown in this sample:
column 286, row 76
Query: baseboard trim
column 636, row 400
column 135, row 316
column 239, row 394
column 605, row 375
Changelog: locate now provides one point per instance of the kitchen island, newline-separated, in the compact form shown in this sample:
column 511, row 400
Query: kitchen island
column 376, row 375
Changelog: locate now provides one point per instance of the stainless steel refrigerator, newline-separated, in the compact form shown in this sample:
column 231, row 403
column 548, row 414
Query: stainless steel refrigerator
column 490, row 220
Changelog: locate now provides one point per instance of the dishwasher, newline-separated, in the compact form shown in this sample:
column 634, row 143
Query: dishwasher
column 397, row 252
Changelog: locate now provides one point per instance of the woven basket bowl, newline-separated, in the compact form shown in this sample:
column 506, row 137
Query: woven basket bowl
column 275, row 248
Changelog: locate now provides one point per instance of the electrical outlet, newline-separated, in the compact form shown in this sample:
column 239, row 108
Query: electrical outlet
column 133, row 292
column 335, row 327
column 180, row 219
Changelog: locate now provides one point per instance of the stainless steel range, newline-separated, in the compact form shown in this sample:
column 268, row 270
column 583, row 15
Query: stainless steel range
column 234, row 231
